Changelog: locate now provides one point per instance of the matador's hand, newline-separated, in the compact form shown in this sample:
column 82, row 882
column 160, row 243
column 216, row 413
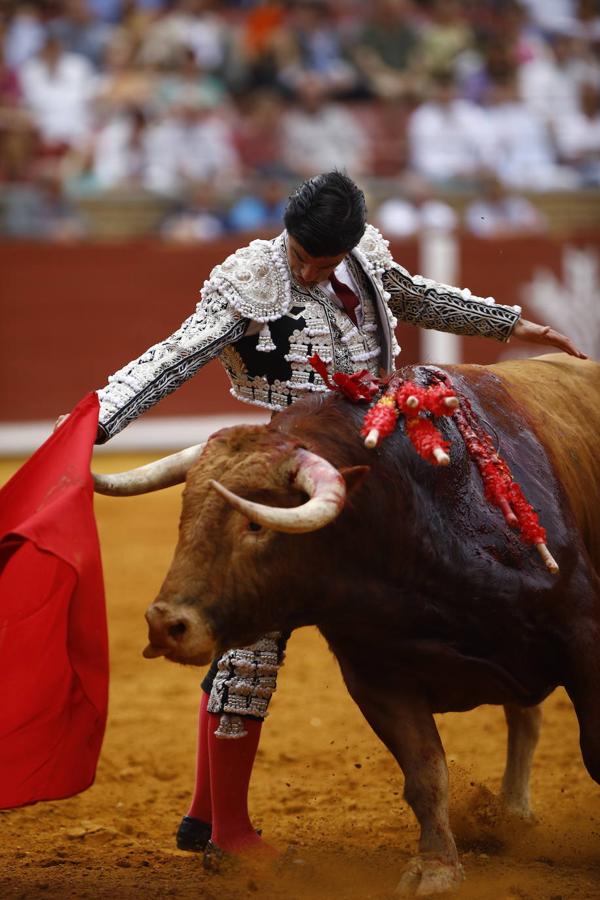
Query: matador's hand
column 543, row 334
column 60, row 420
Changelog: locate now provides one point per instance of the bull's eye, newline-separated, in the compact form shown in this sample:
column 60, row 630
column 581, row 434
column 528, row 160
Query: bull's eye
column 254, row 526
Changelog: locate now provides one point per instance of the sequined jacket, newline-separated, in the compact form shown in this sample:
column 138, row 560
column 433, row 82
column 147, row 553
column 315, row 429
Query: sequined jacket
column 263, row 326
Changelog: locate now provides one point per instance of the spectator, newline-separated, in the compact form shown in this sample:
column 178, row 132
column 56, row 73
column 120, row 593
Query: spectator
column 107, row 10
column 520, row 150
column 445, row 37
column 192, row 145
column 122, row 84
column 496, row 60
column 201, row 220
column 261, row 209
column 258, row 132
column 40, row 210
column 310, row 45
column 447, row 135
column 549, row 14
column 386, row 47
column 416, row 210
column 253, row 63
column 578, row 137
column 192, row 24
column 206, row 145
column 188, row 85
column 498, row 212
column 122, row 154
column 58, row 88
column 586, row 24
column 550, row 86
column 79, row 31
column 25, row 35
column 17, row 137
column 320, row 135
column 517, row 30
column 509, row 41
column 578, row 18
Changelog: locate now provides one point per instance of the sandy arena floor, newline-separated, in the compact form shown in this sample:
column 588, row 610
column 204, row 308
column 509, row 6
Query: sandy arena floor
column 323, row 783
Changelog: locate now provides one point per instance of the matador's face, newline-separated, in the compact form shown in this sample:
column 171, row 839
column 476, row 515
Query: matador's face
column 309, row 270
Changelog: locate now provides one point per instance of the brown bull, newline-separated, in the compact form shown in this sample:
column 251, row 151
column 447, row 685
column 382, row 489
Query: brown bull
column 427, row 598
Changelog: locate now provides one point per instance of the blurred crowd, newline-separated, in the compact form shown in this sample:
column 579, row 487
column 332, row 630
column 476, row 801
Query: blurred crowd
column 221, row 107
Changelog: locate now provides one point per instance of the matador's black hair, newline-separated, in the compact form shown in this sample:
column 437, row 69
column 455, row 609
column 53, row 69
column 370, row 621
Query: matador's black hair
column 327, row 214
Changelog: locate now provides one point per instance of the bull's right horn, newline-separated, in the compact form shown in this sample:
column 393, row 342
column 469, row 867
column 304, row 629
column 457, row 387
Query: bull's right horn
column 162, row 473
column 312, row 474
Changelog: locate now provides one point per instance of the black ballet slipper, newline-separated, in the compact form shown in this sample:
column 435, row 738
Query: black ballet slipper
column 193, row 834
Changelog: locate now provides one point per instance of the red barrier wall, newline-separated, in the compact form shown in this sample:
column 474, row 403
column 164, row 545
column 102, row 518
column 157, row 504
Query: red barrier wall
column 71, row 315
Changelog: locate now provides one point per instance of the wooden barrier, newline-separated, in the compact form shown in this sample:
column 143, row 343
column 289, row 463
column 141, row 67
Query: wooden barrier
column 73, row 314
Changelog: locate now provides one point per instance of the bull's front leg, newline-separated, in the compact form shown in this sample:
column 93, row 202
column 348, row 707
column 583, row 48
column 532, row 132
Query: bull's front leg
column 406, row 726
column 524, row 725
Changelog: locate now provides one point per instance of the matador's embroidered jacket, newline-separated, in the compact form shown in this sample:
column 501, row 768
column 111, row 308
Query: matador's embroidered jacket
column 263, row 326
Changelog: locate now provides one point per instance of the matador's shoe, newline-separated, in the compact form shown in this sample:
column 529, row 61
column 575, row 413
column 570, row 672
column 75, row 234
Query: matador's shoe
column 193, row 834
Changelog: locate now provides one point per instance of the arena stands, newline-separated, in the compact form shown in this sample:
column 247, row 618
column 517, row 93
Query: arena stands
column 118, row 116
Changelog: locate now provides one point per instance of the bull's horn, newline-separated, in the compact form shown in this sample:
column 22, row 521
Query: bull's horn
column 315, row 476
column 161, row 473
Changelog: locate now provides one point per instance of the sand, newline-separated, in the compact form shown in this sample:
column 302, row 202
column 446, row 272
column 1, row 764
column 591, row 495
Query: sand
column 324, row 786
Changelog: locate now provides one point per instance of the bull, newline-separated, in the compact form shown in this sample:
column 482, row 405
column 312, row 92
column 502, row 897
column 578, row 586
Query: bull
column 429, row 601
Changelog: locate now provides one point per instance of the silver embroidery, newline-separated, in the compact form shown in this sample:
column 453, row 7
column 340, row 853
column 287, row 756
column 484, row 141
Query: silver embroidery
column 255, row 280
column 445, row 308
column 167, row 365
column 245, row 681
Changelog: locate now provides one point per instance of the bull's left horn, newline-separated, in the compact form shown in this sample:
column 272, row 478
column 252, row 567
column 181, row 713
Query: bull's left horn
column 161, row 473
column 315, row 476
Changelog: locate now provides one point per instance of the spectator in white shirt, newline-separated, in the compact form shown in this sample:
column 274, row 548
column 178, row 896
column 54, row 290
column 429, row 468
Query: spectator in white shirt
column 24, row 35
column 319, row 135
column 58, row 89
column 190, row 145
column 498, row 212
column 520, row 146
column 447, row 135
column 578, row 136
column 414, row 209
column 550, row 86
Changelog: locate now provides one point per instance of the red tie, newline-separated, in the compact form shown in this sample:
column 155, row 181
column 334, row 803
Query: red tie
column 346, row 295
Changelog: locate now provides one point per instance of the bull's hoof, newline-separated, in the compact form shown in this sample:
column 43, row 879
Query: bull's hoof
column 518, row 809
column 424, row 876
column 193, row 834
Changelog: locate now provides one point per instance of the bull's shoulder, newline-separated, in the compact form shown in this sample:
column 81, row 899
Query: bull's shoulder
column 254, row 280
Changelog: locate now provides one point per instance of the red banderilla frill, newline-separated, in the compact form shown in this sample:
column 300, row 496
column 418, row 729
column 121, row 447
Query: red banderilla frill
column 412, row 399
column 356, row 387
column 439, row 399
column 502, row 491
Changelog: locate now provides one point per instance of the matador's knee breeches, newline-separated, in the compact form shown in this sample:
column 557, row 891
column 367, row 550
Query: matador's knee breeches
column 241, row 683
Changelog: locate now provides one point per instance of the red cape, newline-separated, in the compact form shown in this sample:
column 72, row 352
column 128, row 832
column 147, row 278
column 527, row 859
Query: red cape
column 53, row 636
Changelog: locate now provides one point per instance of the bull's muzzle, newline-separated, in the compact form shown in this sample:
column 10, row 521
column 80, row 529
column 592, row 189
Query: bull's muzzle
column 177, row 634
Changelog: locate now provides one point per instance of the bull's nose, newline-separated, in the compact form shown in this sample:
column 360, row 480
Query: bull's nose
column 166, row 629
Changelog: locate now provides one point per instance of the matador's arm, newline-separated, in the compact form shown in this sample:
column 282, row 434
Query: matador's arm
column 429, row 304
column 167, row 365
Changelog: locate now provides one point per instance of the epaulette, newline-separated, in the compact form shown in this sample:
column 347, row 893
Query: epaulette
column 254, row 280
column 373, row 251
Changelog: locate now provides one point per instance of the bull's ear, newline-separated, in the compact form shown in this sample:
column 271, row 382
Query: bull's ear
column 354, row 476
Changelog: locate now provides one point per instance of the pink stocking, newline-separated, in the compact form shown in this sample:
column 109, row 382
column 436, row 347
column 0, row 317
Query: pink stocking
column 201, row 805
column 231, row 762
